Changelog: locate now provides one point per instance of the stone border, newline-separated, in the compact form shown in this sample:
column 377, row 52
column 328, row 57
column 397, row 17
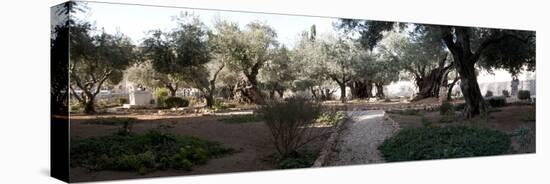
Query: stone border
column 330, row 144
column 394, row 124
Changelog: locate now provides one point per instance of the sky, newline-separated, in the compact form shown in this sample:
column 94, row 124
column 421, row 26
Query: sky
column 134, row 20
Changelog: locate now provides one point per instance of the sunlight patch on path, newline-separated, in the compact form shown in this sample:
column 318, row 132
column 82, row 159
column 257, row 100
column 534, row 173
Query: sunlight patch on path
column 358, row 142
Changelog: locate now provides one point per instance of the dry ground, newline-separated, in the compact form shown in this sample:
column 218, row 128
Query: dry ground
column 250, row 140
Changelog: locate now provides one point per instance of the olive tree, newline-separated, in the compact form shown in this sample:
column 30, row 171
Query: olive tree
column 96, row 60
column 144, row 74
column 278, row 73
column 420, row 54
column 179, row 55
column 249, row 49
column 468, row 46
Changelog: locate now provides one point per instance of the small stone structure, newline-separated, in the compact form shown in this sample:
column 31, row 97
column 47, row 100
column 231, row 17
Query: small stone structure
column 139, row 98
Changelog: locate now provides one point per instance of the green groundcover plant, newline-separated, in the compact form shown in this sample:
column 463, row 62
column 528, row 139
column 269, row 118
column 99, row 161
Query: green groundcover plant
column 443, row 142
column 154, row 150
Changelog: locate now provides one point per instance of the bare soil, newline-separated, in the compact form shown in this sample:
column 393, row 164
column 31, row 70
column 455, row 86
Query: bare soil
column 250, row 140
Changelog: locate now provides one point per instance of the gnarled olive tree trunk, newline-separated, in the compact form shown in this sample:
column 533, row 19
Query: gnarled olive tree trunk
column 464, row 60
column 429, row 85
column 361, row 89
column 380, row 90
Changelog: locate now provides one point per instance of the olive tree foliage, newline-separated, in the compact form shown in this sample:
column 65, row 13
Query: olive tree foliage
column 309, row 56
column 248, row 50
column 180, row 55
column 422, row 55
column 278, row 73
column 341, row 54
column 144, row 74
column 468, row 46
column 96, row 60
column 366, row 69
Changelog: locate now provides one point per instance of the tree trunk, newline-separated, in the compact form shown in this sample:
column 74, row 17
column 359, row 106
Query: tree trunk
column 475, row 104
column 89, row 105
column 458, row 42
column 380, row 90
column 209, row 100
column 172, row 92
column 369, row 89
column 361, row 89
column 450, row 90
column 313, row 93
column 429, row 85
column 171, row 88
column 252, row 92
column 342, row 92
column 272, row 94
column 281, row 93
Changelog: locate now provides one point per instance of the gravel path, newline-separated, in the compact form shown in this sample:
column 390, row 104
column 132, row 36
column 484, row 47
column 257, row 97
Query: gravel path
column 358, row 142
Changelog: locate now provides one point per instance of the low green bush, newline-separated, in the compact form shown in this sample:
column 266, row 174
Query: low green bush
column 246, row 118
column 175, row 102
column 505, row 93
column 443, row 142
column 489, row 93
column 522, row 136
column 330, row 118
column 160, row 95
column 446, row 108
column 143, row 153
column 221, row 105
column 496, row 101
column 524, row 95
column 425, row 122
column 301, row 159
column 75, row 107
column 289, row 123
column 110, row 121
column 122, row 101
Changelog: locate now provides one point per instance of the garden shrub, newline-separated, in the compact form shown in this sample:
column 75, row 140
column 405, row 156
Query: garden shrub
column 529, row 117
column 301, row 159
column 331, row 117
column 110, row 121
column 496, row 101
column 289, row 123
column 247, row 118
column 143, row 153
column 522, row 136
column 489, row 93
column 524, row 94
column 75, row 107
column 446, row 108
column 160, row 95
column 443, row 142
column 505, row 93
column 425, row 122
column 222, row 105
column 122, row 101
column 175, row 102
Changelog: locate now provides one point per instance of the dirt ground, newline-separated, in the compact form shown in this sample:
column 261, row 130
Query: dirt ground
column 506, row 119
column 250, row 140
